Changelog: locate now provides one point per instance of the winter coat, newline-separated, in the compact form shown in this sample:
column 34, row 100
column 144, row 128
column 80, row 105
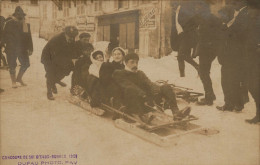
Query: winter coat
column 106, row 71
column 211, row 39
column 59, row 53
column 236, row 41
column 189, row 23
column 17, row 37
column 135, row 82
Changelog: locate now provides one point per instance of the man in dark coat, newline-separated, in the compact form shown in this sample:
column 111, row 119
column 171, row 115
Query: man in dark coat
column 210, row 44
column 138, row 89
column 18, row 40
column 80, row 72
column 184, row 41
column 233, row 61
column 253, row 57
column 57, row 58
column 2, row 57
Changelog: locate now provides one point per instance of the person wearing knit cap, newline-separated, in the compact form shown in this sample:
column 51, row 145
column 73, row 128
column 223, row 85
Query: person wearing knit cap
column 137, row 89
column 57, row 58
column 19, row 45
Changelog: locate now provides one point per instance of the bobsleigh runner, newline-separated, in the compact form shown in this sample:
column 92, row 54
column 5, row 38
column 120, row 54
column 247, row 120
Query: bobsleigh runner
column 159, row 129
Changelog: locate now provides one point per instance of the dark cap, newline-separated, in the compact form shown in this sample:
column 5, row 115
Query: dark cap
column 19, row 11
column 71, row 31
column 84, row 35
column 131, row 56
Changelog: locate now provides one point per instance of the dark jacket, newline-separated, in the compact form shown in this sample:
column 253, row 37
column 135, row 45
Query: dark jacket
column 189, row 23
column 211, row 37
column 15, row 38
column 59, row 53
column 135, row 82
column 236, row 41
column 106, row 71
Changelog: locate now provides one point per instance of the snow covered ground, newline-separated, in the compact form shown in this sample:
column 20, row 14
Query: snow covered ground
column 33, row 125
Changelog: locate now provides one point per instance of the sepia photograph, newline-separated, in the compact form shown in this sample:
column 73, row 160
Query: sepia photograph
column 130, row 82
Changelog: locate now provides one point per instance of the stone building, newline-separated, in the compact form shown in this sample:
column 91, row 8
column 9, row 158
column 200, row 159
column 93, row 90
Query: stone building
column 143, row 26
column 30, row 7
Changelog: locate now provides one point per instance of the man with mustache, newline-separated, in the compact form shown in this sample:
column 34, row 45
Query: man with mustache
column 138, row 89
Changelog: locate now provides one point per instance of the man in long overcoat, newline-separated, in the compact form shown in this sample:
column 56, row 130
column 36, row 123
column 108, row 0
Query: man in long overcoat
column 57, row 58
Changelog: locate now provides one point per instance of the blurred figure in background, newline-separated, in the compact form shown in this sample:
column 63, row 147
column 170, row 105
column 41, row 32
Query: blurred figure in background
column 19, row 45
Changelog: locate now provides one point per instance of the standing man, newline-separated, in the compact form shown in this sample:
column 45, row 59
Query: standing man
column 57, row 58
column 2, row 57
column 210, row 44
column 18, row 40
column 183, row 35
column 253, row 57
column 233, row 61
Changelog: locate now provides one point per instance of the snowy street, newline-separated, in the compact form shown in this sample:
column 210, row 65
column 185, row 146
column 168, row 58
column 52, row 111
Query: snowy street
column 33, row 125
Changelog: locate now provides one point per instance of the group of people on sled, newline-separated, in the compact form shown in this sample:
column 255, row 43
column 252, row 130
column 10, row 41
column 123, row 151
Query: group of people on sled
column 111, row 77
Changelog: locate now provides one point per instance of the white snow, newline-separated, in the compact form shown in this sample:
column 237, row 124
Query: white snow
column 31, row 124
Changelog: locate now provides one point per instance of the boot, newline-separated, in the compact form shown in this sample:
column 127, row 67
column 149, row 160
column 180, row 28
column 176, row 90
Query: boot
column 49, row 91
column 205, row 101
column 255, row 120
column 183, row 113
column 225, row 107
column 13, row 78
column 54, row 89
column 62, row 84
column 19, row 78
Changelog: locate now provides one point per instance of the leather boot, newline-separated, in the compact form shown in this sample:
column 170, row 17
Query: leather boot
column 13, row 78
column 19, row 78
column 49, row 91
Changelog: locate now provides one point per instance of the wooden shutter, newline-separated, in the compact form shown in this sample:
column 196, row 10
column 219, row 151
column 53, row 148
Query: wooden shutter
column 100, row 31
column 131, row 35
column 107, row 33
column 122, row 35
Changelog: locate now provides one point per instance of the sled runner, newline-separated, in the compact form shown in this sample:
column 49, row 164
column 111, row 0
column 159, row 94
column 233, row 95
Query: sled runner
column 184, row 93
column 158, row 128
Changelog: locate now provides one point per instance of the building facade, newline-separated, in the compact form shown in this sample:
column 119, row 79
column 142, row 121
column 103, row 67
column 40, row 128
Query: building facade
column 142, row 26
column 30, row 7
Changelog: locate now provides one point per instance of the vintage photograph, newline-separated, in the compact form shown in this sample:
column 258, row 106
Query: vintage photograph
column 130, row 82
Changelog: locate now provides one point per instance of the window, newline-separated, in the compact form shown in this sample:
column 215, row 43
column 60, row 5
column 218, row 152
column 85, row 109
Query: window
column 123, row 4
column 81, row 7
column 54, row 11
column 66, row 8
column 98, row 5
column 34, row 2
column 144, row 1
column 44, row 11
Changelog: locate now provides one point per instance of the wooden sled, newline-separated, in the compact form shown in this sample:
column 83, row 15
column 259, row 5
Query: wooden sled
column 184, row 93
column 163, row 133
